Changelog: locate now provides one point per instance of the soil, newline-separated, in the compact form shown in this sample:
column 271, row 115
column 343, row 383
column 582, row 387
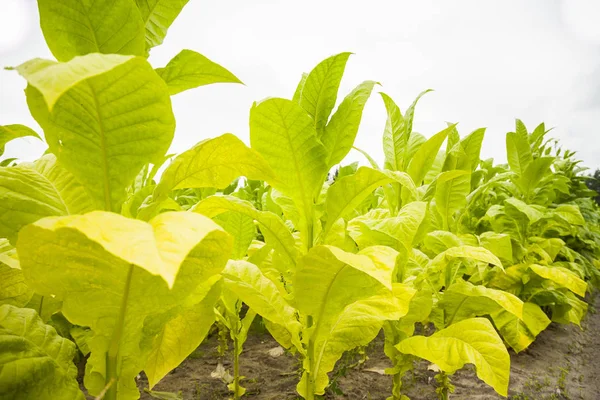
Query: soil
column 563, row 363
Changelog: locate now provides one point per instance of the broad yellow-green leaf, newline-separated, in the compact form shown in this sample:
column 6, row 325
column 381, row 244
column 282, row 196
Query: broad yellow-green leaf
column 180, row 332
column 29, row 192
column 188, row 70
column 472, row 341
column 471, row 145
column 562, row 277
column 514, row 207
column 262, row 295
column 74, row 27
column 533, row 174
column 35, row 362
column 499, row 244
column 348, row 192
column 114, row 276
column 213, row 163
column 357, row 325
column 13, row 289
column 241, row 227
column 463, row 300
column 398, row 232
column 570, row 213
column 572, row 312
column 395, row 139
column 112, row 115
column 474, row 253
column 319, row 90
column 158, row 15
column 327, row 281
column 11, row 132
column 451, row 192
column 520, row 333
column 396, row 136
column 436, row 242
column 424, row 157
column 518, row 152
column 276, row 233
column 282, row 132
column 340, row 132
column 53, row 79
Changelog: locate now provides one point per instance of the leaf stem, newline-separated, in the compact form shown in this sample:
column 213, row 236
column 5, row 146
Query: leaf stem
column 112, row 355
column 41, row 307
column 236, row 368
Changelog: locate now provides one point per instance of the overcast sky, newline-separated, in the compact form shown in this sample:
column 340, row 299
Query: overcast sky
column 489, row 62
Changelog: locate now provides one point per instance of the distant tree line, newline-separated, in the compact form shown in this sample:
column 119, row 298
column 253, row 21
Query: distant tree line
column 594, row 184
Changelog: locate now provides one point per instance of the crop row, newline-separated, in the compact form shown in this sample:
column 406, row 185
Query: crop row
column 102, row 256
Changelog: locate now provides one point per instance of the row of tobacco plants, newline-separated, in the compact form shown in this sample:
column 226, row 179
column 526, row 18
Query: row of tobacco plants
column 101, row 258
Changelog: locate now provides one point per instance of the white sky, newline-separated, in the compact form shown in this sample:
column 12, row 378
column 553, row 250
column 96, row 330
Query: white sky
column 489, row 62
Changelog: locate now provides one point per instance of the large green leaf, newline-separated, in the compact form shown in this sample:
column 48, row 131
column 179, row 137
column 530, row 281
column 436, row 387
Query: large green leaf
column 74, row 27
column 188, row 70
column 282, row 132
column 424, row 157
column 451, row 192
column 471, row 145
column 534, row 173
column 110, row 115
column 499, row 244
column 33, row 191
column 398, row 231
column 341, row 131
column 319, row 90
column 213, row 163
column 357, row 325
column 11, row 132
column 396, row 136
column 241, row 227
column 570, row 213
column 519, row 333
column 518, row 152
column 562, row 277
column 14, row 289
column 165, row 332
column 348, row 192
column 463, row 300
column 473, row 341
column 35, row 362
column 158, row 15
column 274, row 230
column 327, row 281
column 248, row 282
column 126, row 280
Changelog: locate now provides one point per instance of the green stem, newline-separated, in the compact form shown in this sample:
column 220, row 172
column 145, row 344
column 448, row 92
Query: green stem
column 397, row 386
column 310, row 355
column 236, row 369
column 41, row 306
column 112, row 356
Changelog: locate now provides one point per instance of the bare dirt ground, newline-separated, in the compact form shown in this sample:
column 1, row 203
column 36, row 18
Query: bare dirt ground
column 563, row 363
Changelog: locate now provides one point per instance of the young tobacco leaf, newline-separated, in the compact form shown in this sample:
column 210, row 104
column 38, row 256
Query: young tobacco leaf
column 104, row 116
column 472, row 341
column 12, row 132
column 75, row 28
column 35, row 362
column 188, row 70
column 36, row 190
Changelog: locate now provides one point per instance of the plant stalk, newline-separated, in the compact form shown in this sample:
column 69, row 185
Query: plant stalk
column 112, row 356
column 236, row 369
